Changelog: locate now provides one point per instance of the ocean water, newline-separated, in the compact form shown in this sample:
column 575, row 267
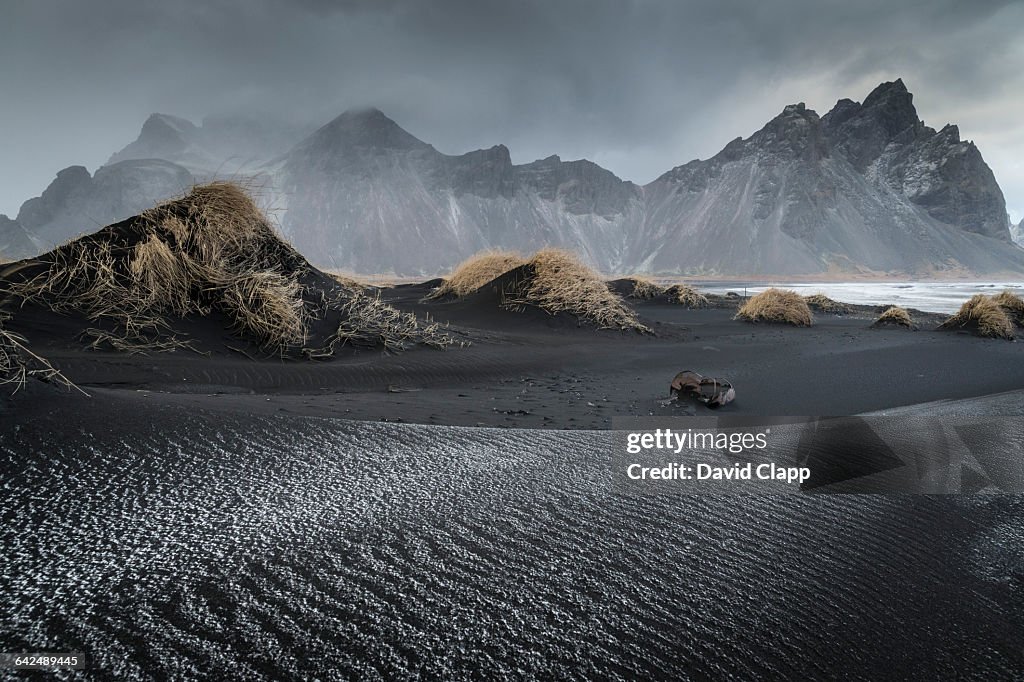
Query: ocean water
column 298, row 548
column 939, row 297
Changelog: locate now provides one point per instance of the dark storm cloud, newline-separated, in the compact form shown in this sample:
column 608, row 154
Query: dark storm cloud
column 636, row 86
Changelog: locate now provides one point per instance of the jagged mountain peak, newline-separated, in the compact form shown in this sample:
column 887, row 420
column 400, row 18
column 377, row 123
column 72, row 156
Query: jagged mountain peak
column 862, row 132
column 15, row 241
column 366, row 114
column 866, row 187
column 77, row 202
column 365, row 127
column 795, row 132
column 498, row 151
column 73, row 174
column 893, row 107
column 793, row 115
column 162, row 137
column 886, row 87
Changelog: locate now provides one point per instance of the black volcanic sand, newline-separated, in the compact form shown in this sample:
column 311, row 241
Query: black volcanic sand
column 199, row 517
column 534, row 370
column 168, row 542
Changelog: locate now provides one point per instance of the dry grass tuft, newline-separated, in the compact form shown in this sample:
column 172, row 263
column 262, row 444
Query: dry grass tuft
column 777, row 305
column 267, row 306
column 369, row 321
column 18, row 363
column 161, row 276
column 1012, row 304
column 211, row 249
column 894, row 315
column 686, row 295
column 823, row 304
column 984, row 315
column 556, row 281
column 645, row 289
column 477, row 271
column 553, row 280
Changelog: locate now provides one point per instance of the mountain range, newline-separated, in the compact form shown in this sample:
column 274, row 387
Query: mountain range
column 866, row 188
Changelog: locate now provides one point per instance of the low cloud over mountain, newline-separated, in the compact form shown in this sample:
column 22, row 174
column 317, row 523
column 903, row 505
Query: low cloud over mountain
column 866, row 187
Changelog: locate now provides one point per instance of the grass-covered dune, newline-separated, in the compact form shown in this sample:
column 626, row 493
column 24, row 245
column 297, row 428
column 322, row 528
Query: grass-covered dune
column 552, row 280
column 209, row 255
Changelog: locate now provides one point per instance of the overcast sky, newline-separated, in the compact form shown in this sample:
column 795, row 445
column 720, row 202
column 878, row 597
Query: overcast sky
column 637, row 86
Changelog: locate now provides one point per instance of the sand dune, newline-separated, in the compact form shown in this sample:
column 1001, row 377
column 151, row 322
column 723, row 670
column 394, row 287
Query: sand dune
column 278, row 547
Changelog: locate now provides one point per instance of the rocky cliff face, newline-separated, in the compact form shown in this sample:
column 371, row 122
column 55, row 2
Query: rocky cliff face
column 366, row 195
column 15, row 241
column 868, row 187
column 1017, row 233
column 885, row 140
column 77, row 202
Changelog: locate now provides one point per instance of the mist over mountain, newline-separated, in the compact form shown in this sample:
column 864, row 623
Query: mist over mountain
column 221, row 146
column 866, row 188
column 365, row 194
column 169, row 155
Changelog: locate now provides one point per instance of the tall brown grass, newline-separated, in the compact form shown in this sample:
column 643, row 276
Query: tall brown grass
column 1012, row 304
column 777, row 305
column 558, row 282
column 983, row 315
column 212, row 249
column 477, row 271
column 367, row 321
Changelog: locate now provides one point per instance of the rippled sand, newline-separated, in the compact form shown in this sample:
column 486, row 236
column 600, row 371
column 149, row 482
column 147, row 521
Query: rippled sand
column 289, row 548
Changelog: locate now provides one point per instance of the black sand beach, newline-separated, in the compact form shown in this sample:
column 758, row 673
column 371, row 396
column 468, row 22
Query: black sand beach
column 230, row 515
column 533, row 370
column 169, row 541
